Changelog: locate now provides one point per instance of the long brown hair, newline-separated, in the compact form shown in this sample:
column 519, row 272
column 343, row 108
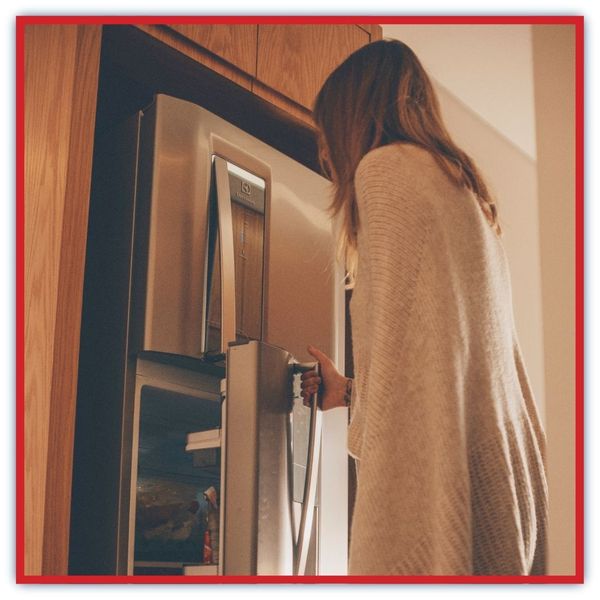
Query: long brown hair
column 379, row 95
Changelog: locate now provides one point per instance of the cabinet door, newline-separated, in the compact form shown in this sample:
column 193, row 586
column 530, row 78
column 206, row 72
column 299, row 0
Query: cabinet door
column 295, row 60
column 229, row 50
column 234, row 43
column 60, row 91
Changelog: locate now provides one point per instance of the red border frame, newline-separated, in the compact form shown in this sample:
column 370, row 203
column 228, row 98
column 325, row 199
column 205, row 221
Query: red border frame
column 577, row 21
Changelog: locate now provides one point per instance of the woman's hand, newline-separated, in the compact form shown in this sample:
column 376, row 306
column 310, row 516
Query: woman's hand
column 334, row 383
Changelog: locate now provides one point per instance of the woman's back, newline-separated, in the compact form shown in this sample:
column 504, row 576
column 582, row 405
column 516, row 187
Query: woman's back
column 451, row 477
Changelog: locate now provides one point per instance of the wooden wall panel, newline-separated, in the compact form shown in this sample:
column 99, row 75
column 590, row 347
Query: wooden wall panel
column 61, row 70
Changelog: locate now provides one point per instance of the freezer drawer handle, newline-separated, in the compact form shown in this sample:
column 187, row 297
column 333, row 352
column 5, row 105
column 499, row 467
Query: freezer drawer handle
column 312, row 473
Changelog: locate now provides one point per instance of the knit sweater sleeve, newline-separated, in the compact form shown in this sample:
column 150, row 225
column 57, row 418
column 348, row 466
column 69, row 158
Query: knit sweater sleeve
column 399, row 504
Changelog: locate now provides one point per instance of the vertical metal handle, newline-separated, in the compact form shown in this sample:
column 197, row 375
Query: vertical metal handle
column 310, row 485
column 225, row 219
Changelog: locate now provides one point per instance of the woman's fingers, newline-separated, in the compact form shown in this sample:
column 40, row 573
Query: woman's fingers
column 310, row 385
column 310, row 379
column 308, row 375
column 310, row 390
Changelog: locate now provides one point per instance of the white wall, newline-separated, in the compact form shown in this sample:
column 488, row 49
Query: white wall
column 554, row 56
column 488, row 67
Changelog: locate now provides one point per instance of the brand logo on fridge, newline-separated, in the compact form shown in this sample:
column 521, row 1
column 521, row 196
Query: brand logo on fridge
column 246, row 187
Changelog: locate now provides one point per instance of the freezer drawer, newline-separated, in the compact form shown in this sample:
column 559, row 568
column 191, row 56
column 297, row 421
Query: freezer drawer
column 176, row 471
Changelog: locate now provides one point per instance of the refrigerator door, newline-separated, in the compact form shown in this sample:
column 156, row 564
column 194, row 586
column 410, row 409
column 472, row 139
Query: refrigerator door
column 172, row 217
column 303, row 286
column 258, row 521
column 265, row 531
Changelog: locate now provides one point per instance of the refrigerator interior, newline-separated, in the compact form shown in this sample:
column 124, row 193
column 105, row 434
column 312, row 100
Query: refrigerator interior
column 175, row 483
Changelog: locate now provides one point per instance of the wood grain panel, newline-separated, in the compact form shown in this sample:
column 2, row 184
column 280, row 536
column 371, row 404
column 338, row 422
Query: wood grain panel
column 293, row 109
column 296, row 59
column 375, row 32
column 234, row 43
column 70, row 293
column 248, row 238
column 61, row 63
column 47, row 119
column 248, row 256
column 181, row 43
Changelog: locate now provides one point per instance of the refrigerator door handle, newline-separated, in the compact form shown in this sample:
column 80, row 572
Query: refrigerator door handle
column 225, row 219
column 310, row 485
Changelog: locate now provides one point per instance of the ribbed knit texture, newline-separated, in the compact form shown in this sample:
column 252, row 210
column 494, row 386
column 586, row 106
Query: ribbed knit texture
column 449, row 446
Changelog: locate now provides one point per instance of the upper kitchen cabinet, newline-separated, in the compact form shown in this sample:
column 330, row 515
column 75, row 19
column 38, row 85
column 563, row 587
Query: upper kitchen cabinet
column 283, row 64
column 230, row 50
column 294, row 60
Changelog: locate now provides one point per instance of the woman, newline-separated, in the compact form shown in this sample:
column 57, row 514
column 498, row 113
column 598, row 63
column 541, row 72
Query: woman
column 443, row 424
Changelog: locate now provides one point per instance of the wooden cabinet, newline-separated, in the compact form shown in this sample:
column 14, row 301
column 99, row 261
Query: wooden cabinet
column 234, row 43
column 284, row 64
column 61, row 82
column 295, row 60
column 229, row 50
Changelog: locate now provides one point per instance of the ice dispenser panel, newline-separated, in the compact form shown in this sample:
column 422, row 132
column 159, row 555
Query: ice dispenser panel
column 247, row 197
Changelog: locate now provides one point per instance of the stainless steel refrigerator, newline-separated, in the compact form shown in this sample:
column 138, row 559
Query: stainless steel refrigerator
column 211, row 266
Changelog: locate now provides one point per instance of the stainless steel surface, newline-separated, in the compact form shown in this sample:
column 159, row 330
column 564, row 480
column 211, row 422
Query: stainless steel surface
column 300, row 440
column 310, row 488
column 223, row 391
column 227, row 263
column 175, row 149
column 258, row 519
column 300, row 247
column 300, row 435
column 302, row 273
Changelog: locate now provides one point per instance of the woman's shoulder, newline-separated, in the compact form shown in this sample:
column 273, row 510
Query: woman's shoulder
column 400, row 173
column 410, row 171
column 404, row 155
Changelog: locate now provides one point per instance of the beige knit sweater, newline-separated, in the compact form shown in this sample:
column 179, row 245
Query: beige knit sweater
column 444, row 427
